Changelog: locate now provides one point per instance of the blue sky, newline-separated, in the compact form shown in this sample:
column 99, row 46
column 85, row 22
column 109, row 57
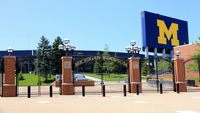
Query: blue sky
column 89, row 24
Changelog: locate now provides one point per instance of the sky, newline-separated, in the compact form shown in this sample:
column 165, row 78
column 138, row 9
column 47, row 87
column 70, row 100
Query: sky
column 89, row 24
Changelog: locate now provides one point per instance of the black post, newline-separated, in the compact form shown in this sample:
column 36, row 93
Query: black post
column 124, row 87
column 161, row 88
column 2, row 72
column 73, row 67
column 60, row 74
column 178, row 90
column 174, row 83
column 101, row 69
column 199, row 66
column 103, row 90
column 29, row 91
column 50, row 91
column 39, row 84
column 157, row 81
column 83, row 91
column 129, row 84
column 17, row 83
column 137, row 89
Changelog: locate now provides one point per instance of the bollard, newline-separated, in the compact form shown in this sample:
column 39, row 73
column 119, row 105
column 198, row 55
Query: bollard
column 178, row 88
column 137, row 89
column 161, row 88
column 29, row 91
column 83, row 91
column 50, row 91
column 103, row 90
column 124, row 87
column 174, row 85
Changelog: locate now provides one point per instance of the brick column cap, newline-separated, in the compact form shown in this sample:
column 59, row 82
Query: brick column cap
column 134, row 58
column 66, row 57
column 178, row 59
column 181, row 82
column 10, row 57
column 135, row 82
column 67, row 83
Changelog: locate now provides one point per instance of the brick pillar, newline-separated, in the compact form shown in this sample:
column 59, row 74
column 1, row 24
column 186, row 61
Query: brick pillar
column 9, row 87
column 67, row 78
column 179, row 71
column 134, row 70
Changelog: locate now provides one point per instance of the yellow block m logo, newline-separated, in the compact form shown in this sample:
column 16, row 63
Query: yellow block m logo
column 171, row 33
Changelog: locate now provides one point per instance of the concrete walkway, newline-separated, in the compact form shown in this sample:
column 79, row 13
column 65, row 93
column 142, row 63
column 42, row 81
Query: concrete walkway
column 92, row 78
column 112, row 103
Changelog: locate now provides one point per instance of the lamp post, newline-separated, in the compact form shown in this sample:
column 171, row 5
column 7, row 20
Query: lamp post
column 65, row 46
column 10, row 51
column 133, row 50
column 101, row 70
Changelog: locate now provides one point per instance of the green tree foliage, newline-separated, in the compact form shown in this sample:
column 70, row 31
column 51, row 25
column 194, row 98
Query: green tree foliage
column 106, row 63
column 145, row 70
column 103, row 65
column 194, row 66
column 43, row 58
column 56, row 55
column 108, row 66
column 164, row 66
column 97, row 66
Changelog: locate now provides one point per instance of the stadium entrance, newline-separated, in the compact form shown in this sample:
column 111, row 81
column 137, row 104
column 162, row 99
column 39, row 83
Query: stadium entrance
column 94, row 72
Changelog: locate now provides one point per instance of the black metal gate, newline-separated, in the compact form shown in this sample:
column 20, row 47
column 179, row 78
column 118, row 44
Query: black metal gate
column 158, row 71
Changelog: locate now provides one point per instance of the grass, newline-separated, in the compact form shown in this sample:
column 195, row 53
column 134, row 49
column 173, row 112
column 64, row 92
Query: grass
column 196, row 79
column 109, row 77
column 32, row 80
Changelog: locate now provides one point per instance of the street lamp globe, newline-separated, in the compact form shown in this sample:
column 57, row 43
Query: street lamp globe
column 68, row 46
column 66, row 41
column 60, row 47
column 132, row 43
column 178, row 54
column 133, row 49
column 73, row 47
column 10, row 50
column 139, row 49
column 128, row 49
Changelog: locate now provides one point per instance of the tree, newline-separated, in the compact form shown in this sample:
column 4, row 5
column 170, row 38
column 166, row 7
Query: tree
column 108, row 66
column 97, row 66
column 105, row 55
column 56, row 55
column 145, row 70
column 164, row 65
column 195, row 65
column 43, row 58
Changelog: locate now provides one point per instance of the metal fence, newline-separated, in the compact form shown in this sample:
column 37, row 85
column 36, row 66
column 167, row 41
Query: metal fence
column 37, row 91
column 111, row 87
column 158, row 71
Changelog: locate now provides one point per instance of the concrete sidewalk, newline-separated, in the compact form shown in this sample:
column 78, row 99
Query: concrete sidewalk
column 92, row 78
column 112, row 103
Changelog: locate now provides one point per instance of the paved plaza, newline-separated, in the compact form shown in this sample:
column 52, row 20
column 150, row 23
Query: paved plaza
column 113, row 103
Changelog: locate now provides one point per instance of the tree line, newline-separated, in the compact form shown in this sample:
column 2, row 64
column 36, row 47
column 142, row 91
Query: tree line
column 48, row 57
